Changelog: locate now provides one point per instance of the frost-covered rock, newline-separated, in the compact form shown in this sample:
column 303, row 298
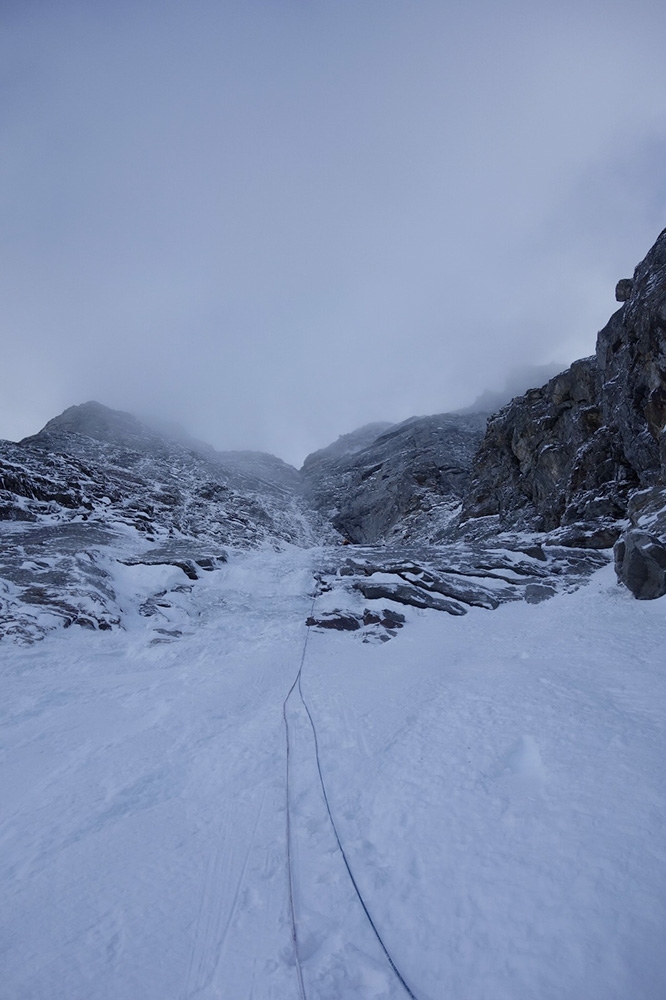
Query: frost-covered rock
column 97, row 486
column 401, row 483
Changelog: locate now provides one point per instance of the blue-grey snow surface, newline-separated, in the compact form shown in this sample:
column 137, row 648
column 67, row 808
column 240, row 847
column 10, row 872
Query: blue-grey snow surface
column 497, row 782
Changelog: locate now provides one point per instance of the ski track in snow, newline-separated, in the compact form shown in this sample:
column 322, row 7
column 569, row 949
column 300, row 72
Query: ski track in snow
column 496, row 781
column 219, row 900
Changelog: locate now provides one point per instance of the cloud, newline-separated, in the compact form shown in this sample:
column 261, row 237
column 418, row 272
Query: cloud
column 273, row 223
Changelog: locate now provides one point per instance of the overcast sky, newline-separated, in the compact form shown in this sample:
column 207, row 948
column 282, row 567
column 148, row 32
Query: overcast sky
column 275, row 221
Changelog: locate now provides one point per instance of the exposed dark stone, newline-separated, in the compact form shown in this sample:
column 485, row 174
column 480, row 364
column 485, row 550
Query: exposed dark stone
column 371, row 617
column 337, row 621
column 209, row 563
column 392, row 619
column 187, row 567
column 647, row 510
column 535, row 552
column 640, row 564
column 388, row 619
column 535, row 593
column 12, row 512
column 373, row 621
column 623, row 289
column 454, row 587
column 631, row 353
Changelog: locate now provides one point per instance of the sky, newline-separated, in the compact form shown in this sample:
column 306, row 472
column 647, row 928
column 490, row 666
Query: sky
column 273, row 221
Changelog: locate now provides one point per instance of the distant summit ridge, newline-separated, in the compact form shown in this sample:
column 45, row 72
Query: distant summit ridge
column 96, row 421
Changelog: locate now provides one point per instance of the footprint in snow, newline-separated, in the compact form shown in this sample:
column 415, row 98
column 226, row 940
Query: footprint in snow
column 520, row 774
column 524, row 760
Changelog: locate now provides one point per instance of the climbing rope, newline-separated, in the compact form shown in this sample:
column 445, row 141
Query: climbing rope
column 290, row 867
column 298, row 684
column 358, row 892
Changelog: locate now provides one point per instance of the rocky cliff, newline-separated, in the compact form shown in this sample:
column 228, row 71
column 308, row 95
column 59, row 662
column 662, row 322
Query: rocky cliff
column 587, row 451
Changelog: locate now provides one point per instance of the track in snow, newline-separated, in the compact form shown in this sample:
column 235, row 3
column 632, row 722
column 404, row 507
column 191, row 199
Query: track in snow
column 215, row 914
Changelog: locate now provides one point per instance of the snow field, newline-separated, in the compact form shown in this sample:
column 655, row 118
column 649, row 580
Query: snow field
column 497, row 782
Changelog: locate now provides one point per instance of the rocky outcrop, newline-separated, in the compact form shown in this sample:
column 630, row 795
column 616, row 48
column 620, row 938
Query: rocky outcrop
column 374, row 625
column 568, row 458
column 400, row 483
column 448, row 579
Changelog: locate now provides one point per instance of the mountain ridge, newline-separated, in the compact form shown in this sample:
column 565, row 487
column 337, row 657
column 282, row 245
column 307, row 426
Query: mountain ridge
column 564, row 471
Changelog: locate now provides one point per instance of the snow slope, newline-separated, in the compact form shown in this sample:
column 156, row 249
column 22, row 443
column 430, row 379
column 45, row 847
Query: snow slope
column 496, row 781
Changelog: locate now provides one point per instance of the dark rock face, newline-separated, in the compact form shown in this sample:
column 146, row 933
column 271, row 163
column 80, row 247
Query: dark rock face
column 407, row 593
column 567, row 458
column 374, row 626
column 524, row 467
column 401, row 482
column 631, row 353
column 336, row 620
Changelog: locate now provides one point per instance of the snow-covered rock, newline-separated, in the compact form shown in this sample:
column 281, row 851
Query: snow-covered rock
column 96, row 486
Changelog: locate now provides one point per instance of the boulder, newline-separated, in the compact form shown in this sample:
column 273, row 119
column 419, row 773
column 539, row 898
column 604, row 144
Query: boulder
column 640, row 564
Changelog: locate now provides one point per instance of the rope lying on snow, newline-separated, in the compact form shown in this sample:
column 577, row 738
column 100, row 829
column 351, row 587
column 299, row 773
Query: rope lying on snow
column 358, row 892
column 290, row 869
column 298, row 684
